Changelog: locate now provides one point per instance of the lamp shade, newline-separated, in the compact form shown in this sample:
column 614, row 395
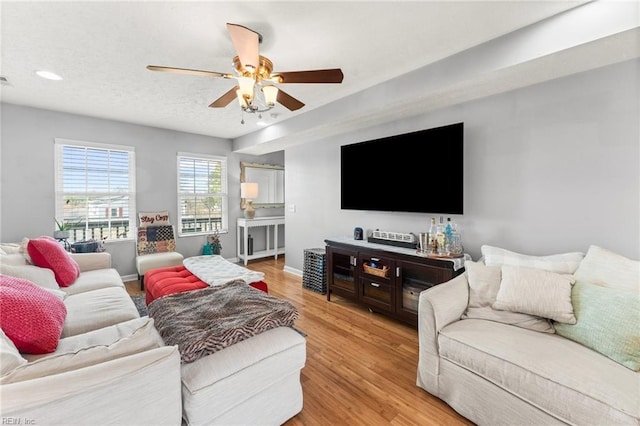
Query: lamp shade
column 247, row 86
column 249, row 190
column 270, row 95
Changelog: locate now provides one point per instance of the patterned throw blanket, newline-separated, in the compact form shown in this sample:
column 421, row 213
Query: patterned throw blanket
column 204, row 321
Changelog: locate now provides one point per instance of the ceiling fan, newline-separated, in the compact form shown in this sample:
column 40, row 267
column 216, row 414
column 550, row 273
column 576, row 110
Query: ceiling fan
column 254, row 73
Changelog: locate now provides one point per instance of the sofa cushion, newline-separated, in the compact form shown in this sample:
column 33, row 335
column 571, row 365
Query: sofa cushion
column 9, row 248
column 608, row 322
column 47, row 252
column 90, row 348
column 555, row 374
column 10, row 357
column 95, row 309
column 43, row 277
column 94, row 280
column 484, row 284
column 564, row 263
column 536, row 292
column 13, row 259
column 31, row 316
column 606, row 268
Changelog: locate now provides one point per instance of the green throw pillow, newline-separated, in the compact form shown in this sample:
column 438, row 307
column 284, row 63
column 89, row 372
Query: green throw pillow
column 608, row 322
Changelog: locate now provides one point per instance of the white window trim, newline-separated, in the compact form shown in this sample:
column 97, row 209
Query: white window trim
column 225, row 192
column 60, row 142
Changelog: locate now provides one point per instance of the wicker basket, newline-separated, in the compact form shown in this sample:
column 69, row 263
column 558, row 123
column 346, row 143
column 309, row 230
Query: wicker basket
column 384, row 272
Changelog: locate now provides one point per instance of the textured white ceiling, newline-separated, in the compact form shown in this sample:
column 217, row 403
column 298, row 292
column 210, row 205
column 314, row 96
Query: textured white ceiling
column 101, row 50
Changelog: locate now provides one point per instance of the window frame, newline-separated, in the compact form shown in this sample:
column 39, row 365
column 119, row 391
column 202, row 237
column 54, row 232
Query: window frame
column 60, row 194
column 224, row 194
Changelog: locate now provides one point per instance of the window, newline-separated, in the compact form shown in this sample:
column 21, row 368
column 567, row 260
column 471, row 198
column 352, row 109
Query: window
column 95, row 189
column 202, row 194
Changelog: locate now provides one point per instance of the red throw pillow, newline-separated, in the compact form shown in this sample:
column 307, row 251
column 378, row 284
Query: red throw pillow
column 31, row 316
column 46, row 252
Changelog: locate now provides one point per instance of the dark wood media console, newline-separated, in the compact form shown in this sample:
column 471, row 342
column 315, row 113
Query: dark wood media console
column 386, row 279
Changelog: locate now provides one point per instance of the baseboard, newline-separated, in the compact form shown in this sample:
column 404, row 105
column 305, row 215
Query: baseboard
column 127, row 278
column 293, row 271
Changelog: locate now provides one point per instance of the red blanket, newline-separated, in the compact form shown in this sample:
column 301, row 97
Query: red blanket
column 177, row 279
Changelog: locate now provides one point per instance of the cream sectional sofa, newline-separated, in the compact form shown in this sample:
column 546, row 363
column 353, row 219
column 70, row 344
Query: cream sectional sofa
column 110, row 366
column 502, row 368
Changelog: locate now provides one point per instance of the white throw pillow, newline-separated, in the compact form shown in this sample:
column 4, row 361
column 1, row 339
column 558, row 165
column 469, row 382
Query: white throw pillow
column 608, row 269
column 536, row 292
column 484, row 284
column 24, row 252
column 564, row 263
column 44, row 277
column 90, row 348
column 10, row 357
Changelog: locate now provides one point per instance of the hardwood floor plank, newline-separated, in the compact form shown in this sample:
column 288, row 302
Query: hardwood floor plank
column 361, row 366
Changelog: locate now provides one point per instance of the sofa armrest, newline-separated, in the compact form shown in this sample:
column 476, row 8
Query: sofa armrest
column 438, row 307
column 92, row 261
column 107, row 393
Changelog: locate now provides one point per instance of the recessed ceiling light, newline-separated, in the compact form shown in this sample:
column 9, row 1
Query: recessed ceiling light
column 49, row 75
column 261, row 123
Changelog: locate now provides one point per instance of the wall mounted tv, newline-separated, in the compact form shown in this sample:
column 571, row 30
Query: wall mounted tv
column 419, row 172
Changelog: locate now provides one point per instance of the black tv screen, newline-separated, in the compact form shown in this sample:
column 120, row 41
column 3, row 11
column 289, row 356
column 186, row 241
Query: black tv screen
column 420, row 172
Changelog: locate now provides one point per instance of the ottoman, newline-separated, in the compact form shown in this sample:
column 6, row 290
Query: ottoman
column 255, row 381
column 176, row 279
column 147, row 262
column 250, row 381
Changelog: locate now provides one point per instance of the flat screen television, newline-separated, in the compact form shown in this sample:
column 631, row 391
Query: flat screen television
column 419, row 172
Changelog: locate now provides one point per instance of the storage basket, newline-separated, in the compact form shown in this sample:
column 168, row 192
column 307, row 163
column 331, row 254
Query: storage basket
column 384, row 272
column 314, row 273
column 410, row 296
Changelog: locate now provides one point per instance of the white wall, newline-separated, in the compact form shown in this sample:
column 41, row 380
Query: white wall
column 550, row 168
column 27, row 171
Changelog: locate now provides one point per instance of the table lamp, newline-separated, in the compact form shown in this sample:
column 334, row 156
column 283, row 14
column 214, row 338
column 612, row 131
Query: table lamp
column 249, row 191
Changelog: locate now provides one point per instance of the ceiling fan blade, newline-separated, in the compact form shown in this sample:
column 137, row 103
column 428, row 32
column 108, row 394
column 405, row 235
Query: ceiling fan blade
column 246, row 42
column 333, row 75
column 188, row 71
column 288, row 101
column 225, row 99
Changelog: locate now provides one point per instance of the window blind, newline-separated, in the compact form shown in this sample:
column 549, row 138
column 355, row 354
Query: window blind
column 95, row 189
column 202, row 194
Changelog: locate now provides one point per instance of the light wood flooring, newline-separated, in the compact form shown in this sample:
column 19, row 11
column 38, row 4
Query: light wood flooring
column 361, row 366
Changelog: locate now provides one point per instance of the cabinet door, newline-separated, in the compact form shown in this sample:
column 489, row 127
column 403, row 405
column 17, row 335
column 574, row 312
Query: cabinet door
column 341, row 273
column 412, row 279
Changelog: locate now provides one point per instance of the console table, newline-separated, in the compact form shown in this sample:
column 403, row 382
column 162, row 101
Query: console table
column 244, row 226
column 393, row 284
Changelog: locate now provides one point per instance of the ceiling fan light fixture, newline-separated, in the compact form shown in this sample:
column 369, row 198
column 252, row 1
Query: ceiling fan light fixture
column 247, row 85
column 270, row 93
column 242, row 100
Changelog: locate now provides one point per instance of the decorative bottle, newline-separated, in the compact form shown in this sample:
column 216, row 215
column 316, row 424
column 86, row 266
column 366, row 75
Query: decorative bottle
column 441, row 237
column 433, row 241
column 448, row 235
